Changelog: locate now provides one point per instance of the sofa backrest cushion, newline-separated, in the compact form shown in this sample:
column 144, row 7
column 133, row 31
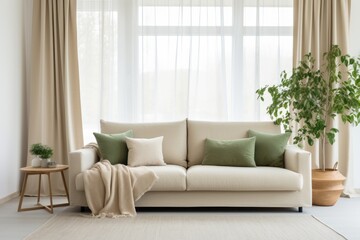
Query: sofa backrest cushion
column 174, row 133
column 198, row 131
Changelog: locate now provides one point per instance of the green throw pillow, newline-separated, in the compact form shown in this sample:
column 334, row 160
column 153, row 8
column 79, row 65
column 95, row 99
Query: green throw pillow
column 113, row 146
column 238, row 152
column 269, row 148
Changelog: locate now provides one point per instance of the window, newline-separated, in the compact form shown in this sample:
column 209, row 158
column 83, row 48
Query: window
column 163, row 60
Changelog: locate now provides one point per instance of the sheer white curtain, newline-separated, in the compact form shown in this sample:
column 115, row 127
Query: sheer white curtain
column 163, row 60
column 352, row 186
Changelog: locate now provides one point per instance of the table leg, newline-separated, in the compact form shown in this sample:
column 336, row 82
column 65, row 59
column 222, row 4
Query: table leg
column 66, row 190
column 22, row 192
column 39, row 187
column 51, row 201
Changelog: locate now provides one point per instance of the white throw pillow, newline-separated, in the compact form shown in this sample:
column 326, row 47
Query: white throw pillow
column 145, row 151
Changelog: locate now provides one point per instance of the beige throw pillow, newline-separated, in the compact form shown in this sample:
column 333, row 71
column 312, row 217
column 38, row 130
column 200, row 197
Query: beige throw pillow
column 145, row 151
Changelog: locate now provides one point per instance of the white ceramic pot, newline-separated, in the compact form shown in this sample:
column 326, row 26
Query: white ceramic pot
column 36, row 162
column 44, row 163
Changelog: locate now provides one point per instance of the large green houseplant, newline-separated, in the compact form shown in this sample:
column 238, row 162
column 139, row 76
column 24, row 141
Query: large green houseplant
column 312, row 97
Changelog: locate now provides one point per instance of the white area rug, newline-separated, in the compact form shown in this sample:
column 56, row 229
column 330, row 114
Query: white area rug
column 188, row 225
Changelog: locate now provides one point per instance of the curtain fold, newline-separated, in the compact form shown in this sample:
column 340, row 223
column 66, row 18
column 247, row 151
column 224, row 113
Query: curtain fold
column 54, row 113
column 318, row 24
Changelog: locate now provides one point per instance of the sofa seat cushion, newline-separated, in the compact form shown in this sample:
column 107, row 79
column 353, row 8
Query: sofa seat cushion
column 171, row 178
column 223, row 178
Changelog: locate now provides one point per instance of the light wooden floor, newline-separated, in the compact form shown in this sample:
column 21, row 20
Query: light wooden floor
column 344, row 217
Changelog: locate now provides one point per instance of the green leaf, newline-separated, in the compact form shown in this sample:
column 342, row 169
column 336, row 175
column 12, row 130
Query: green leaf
column 278, row 121
column 357, row 81
column 331, row 137
column 343, row 118
column 342, row 58
column 310, row 141
column 334, row 130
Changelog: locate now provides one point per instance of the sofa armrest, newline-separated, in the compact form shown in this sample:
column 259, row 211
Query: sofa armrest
column 82, row 159
column 299, row 160
column 79, row 161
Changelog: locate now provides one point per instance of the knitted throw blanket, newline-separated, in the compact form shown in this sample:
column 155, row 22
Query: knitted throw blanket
column 111, row 190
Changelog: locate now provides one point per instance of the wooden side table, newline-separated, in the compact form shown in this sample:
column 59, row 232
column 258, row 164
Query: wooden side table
column 33, row 171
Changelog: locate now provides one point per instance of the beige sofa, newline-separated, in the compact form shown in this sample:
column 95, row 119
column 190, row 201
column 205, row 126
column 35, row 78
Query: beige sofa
column 184, row 182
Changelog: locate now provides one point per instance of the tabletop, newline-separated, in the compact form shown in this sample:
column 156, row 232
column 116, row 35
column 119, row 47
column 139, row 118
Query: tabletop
column 30, row 169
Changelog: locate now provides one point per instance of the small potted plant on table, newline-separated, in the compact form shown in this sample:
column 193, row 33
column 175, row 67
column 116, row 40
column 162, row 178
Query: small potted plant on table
column 36, row 150
column 43, row 154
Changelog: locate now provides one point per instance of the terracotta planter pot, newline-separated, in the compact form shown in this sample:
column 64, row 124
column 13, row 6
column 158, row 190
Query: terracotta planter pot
column 326, row 186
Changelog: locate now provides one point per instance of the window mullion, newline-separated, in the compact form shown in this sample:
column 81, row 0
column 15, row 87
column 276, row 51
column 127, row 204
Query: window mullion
column 257, row 60
column 237, row 81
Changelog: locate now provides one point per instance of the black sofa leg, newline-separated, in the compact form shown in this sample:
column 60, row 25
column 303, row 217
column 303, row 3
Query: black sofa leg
column 300, row 209
column 84, row 209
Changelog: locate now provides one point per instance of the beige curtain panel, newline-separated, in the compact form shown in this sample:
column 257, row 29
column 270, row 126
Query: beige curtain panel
column 54, row 94
column 318, row 24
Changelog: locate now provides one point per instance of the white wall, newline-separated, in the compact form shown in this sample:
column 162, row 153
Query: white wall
column 354, row 50
column 12, row 99
column 354, row 41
